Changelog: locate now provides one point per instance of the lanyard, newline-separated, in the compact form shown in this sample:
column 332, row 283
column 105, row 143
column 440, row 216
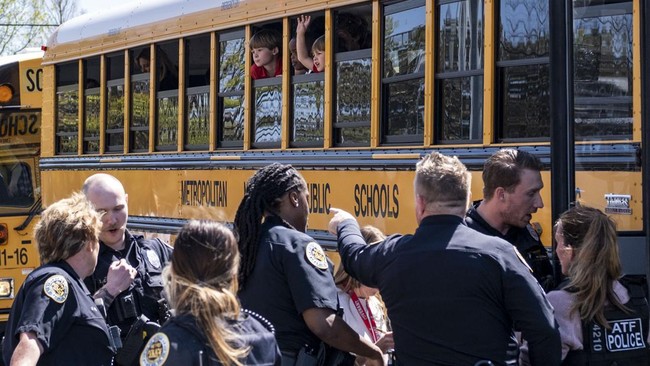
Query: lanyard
column 367, row 318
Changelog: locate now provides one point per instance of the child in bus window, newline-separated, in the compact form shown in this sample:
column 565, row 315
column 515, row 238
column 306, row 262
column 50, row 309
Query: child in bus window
column 266, row 48
column 315, row 63
column 298, row 68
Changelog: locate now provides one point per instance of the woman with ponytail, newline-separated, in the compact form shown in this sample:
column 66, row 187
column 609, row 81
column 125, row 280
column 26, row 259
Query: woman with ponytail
column 284, row 274
column 603, row 317
column 208, row 327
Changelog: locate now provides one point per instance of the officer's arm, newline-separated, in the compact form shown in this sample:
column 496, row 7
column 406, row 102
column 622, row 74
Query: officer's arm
column 28, row 350
column 359, row 259
column 531, row 312
column 331, row 329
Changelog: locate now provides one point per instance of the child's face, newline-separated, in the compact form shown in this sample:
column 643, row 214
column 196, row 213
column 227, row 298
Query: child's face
column 263, row 56
column 319, row 60
column 297, row 66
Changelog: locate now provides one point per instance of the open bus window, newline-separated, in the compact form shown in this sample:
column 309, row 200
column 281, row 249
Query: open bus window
column 352, row 75
column 267, row 103
column 139, row 126
column 16, row 187
column 167, row 96
column 115, row 103
column 197, row 76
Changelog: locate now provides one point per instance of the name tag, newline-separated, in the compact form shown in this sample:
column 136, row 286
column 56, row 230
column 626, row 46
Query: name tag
column 624, row 335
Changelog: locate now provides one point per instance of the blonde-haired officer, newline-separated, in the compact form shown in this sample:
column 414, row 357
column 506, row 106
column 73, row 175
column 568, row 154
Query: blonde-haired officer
column 54, row 320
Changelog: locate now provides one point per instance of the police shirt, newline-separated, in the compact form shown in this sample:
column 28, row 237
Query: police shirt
column 181, row 341
column 291, row 274
column 54, row 304
column 527, row 242
column 452, row 293
column 148, row 257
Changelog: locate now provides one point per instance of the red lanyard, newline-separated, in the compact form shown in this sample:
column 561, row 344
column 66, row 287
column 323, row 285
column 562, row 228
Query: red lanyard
column 368, row 319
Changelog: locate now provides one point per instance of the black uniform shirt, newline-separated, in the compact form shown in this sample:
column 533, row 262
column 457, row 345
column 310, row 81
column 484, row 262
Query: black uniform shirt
column 181, row 341
column 291, row 275
column 55, row 305
column 452, row 293
column 148, row 257
column 527, row 242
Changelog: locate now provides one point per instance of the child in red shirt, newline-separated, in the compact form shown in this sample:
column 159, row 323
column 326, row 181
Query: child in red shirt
column 265, row 46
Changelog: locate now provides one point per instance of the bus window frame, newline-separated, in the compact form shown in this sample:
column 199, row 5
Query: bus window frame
column 225, row 36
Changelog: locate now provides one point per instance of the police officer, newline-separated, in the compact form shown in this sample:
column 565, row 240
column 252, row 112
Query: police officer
column 452, row 293
column 54, row 320
column 202, row 283
column 128, row 276
column 603, row 318
column 511, row 188
column 284, row 274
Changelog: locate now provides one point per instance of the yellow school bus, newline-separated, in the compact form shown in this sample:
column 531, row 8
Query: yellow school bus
column 20, row 194
column 161, row 96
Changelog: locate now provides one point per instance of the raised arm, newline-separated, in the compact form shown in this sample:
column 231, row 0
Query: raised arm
column 301, row 43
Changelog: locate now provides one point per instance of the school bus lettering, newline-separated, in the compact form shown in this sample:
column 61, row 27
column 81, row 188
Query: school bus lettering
column 34, row 78
column 376, row 200
column 212, row 193
column 318, row 193
column 19, row 125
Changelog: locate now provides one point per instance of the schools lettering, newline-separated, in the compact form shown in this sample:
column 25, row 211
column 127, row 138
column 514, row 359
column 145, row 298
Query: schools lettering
column 18, row 125
column 204, row 193
column 376, row 200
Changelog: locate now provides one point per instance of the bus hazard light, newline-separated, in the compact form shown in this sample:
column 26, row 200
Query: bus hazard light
column 4, row 234
column 6, row 93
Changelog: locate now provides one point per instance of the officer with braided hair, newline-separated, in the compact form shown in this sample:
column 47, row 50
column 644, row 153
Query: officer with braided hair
column 284, row 274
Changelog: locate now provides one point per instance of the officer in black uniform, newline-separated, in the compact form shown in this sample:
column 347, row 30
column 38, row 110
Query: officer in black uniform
column 452, row 293
column 512, row 184
column 203, row 272
column 54, row 320
column 128, row 276
column 284, row 274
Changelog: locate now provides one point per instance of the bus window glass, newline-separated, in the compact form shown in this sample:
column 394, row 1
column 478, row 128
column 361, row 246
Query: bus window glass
column 523, row 70
column 139, row 126
column 352, row 75
column 459, row 74
column 230, row 97
column 268, row 115
column 353, row 80
column 16, row 187
column 115, row 103
column 403, row 82
column 167, row 96
column 91, row 105
column 197, row 119
column 603, row 71
column 67, row 107
column 308, row 100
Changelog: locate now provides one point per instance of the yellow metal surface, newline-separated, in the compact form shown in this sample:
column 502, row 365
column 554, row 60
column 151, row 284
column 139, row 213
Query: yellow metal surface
column 636, row 70
column 31, row 83
column 47, row 126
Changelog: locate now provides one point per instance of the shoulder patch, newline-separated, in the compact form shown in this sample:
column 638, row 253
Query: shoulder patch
column 315, row 255
column 56, row 288
column 156, row 351
column 521, row 258
column 152, row 258
column 532, row 232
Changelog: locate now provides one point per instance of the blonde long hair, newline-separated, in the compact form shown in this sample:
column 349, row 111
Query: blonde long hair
column 202, row 281
column 596, row 264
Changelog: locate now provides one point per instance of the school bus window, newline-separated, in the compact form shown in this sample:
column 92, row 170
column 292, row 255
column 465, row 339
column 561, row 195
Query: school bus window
column 67, row 107
column 167, row 95
column 459, row 74
column 523, row 71
column 403, row 81
column 230, row 96
column 603, row 70
column 115, row 103
column 266, row 46
column 307, row 83
column 352, row 76
column 139, row 123
column 16, row 187
column 197, row 118
column 91, row 105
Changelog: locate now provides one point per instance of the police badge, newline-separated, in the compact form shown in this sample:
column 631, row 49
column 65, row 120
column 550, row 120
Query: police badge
column 56, row 288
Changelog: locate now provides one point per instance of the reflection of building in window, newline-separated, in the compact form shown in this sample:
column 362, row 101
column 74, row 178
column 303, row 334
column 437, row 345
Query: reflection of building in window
column 16, row 181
